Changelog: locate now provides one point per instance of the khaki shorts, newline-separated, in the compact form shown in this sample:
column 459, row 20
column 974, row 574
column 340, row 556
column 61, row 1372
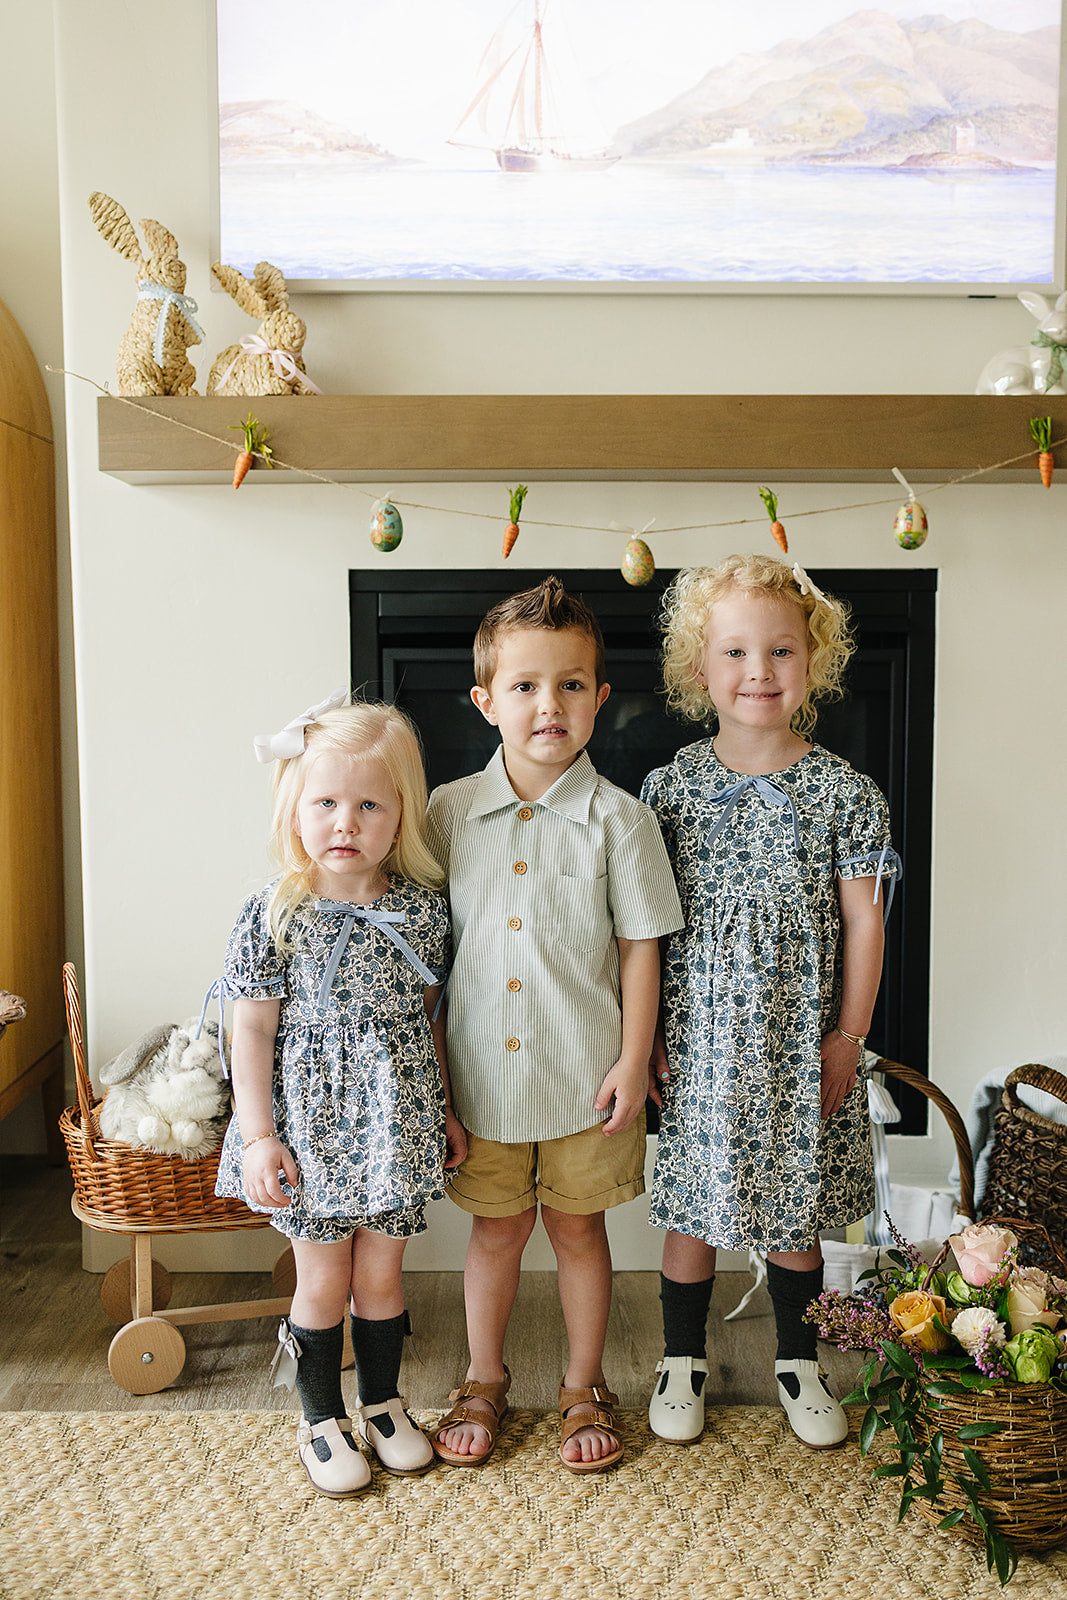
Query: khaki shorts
column 581, row 1174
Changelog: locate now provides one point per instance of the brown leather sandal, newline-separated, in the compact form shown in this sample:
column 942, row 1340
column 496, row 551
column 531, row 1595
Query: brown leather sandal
column 496, row 1396
column 601, row 1416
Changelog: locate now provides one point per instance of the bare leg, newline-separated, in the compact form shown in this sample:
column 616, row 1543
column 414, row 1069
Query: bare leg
column 687, row 1260
column 490, row 1283
column 583, row 1263
column 377, row 1290
column 797, row 1260
column 323, row 1279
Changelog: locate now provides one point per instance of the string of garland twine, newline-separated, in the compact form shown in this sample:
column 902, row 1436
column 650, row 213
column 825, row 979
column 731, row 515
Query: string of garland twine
column 571, row 527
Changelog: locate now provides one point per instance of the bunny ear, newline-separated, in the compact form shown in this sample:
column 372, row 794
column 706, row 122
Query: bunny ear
column 237, row 285
column 1036, row 304
column 272, row 286
column 161, row 241
column 116, row 227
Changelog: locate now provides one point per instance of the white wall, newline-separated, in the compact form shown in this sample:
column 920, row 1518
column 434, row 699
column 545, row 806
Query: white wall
column 202, row 617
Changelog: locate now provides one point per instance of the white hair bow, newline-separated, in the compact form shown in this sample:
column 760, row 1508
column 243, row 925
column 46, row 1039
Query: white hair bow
column 806, row 586
column 289, row 741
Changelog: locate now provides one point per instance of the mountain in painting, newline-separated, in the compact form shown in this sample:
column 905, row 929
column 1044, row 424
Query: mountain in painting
column 870, row 89
column 281, row 130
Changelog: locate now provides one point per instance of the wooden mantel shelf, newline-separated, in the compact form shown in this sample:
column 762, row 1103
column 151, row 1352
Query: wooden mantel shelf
column 391, row 439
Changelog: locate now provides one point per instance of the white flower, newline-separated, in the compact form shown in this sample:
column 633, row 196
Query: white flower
column 977, row 1328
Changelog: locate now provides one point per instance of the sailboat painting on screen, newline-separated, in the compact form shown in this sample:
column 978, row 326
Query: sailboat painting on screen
column 644, row 144
column 531, row 107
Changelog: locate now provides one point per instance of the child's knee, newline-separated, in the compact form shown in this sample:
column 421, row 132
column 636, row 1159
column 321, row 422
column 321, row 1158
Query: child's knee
column 572, row 1231
column 503, row 1234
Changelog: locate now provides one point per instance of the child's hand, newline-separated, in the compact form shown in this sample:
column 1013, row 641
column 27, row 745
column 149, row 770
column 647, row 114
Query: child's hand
column 455, row 1139
column 261, row 1163
column 659, row 1069
column 626, row 1084
column 840, row 1061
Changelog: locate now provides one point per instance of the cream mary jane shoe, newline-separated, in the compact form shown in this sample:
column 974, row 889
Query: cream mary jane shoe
column 676, row 1410
column 397, row 1441
column 814, row 1415
column 345, row 1471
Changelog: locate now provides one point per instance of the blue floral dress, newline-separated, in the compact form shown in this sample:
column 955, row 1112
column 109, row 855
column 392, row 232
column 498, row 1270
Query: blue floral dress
column 358, row 1097
column 750, row 986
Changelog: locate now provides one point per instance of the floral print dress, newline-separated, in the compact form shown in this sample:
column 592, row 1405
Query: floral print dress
column 358, row 1097
column 750, row 986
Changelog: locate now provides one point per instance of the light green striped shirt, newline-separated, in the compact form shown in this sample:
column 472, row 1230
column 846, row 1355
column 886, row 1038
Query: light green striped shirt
column 540, row 891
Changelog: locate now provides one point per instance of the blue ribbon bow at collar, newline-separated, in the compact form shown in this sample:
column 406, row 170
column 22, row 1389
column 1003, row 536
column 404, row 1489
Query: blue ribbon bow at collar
column 385, row 920
column 768, row 791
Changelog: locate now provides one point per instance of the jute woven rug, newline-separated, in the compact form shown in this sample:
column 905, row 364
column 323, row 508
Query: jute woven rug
column 187, row 1505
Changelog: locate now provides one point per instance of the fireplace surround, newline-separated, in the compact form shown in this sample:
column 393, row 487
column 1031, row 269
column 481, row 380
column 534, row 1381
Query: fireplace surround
column 411, row 634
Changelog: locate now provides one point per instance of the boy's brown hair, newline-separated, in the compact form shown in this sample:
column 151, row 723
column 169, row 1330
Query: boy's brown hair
column 547, row 606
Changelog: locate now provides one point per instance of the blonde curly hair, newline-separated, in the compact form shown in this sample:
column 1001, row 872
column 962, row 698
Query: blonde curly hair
column 687, row 605
column 371, row 732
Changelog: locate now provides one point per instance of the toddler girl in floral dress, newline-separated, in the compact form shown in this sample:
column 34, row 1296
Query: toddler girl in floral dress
column 342, row 1125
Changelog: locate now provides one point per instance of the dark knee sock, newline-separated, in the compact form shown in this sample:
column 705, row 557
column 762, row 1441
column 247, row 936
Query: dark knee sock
column 685, row 1316
column 318, row 1373
column 378, row 1346
column 791, row 1293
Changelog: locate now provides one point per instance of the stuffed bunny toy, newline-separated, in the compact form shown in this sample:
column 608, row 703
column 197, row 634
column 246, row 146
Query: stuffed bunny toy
column 1036, row 368
column 268, row 361
column 167, row 1092
column 152, row 356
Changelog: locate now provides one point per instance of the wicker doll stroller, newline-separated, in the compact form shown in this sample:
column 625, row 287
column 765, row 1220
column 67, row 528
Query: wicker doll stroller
column 121, row 1189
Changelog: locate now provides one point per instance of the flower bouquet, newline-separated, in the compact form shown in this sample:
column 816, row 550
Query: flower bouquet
column 969, row 1371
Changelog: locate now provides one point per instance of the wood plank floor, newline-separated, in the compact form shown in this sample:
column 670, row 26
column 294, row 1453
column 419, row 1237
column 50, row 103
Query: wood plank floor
column 54, row 1332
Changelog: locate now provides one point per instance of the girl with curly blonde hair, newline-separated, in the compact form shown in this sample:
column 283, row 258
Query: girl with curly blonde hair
column 779, row 850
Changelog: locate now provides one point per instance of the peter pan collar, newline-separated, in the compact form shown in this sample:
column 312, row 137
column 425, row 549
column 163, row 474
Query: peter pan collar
column 570, row 796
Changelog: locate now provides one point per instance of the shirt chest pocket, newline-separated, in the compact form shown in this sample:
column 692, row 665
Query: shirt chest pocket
column 576, row 909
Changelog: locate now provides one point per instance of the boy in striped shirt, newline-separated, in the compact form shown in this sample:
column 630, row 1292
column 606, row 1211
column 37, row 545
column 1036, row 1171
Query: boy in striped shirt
column 561, row 889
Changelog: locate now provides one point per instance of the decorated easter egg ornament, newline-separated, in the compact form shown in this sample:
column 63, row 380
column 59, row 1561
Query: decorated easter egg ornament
column 910, row 523
column 1041, row 433
column 638, row 566
column 770, row 501
column 386, row 526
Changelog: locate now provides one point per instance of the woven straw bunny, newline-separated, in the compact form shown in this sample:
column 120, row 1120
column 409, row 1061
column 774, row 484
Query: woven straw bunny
column 152, row 355
column 268, row 361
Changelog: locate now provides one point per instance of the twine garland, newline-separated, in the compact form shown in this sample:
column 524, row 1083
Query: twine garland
column 570, row 527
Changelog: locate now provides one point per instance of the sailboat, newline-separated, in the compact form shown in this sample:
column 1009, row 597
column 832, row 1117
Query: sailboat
column 531, row 106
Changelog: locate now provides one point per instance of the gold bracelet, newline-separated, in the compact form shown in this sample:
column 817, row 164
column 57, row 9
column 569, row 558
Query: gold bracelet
column 860, row 1040
column 250, row 1142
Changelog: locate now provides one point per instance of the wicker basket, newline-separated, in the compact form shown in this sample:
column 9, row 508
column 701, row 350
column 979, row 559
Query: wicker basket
column 1028, row 1164
column 117, row 1186
column 1027, row 1459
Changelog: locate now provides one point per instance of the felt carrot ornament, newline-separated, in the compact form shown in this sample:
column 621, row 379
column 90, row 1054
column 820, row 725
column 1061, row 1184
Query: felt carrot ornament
column 255, row 444
column 1041, row 433
column 771, row 502
column 511, row 532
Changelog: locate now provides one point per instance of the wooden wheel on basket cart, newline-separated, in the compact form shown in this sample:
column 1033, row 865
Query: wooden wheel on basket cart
column 119, row 1188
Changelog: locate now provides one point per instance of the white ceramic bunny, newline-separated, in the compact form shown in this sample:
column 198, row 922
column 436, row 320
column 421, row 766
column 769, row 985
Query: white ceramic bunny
column 268, row 361
column 152, row 355
column 1035, row 368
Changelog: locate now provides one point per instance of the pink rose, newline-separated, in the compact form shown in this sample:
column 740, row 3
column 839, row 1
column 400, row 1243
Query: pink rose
column 979, row 1250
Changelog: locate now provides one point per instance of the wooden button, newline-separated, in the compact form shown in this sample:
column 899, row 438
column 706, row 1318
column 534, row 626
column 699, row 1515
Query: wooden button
column 513, row 1044
column 525, row 813
column 519, row 867
column 514, row 985
column 514, row 922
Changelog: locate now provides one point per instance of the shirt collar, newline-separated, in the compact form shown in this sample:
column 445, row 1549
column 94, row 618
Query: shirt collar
column 570, row 796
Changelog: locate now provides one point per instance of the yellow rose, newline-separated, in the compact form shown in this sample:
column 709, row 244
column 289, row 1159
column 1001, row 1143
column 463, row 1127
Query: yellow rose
column 914, row 1314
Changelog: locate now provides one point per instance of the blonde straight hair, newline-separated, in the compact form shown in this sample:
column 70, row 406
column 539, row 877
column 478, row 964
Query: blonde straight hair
column 370, row 732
